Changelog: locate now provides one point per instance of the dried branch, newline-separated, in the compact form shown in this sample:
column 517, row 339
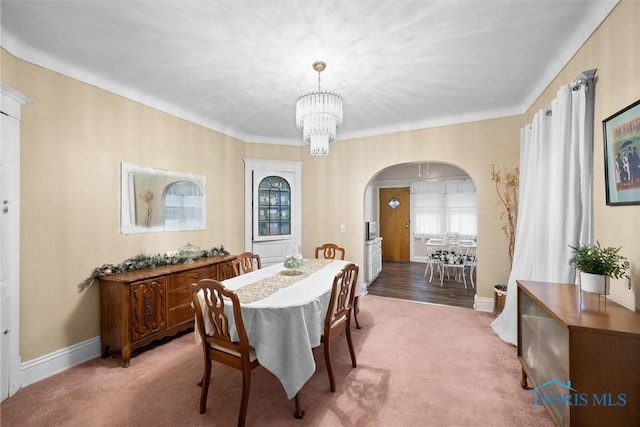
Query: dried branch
column 507, row 190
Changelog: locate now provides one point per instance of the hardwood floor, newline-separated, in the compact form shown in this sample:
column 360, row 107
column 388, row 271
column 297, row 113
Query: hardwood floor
column 405, row 280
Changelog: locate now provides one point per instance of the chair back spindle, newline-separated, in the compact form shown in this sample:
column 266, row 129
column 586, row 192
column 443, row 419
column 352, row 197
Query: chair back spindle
column 246, row 262
column 330, row 251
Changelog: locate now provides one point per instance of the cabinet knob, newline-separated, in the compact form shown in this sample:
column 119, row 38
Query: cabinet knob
column 194, row 276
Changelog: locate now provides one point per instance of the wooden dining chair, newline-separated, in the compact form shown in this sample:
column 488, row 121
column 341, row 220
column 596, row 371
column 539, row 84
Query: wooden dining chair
column 330, row 251
column 338, row 317
column 212, row 323
column 246, row 262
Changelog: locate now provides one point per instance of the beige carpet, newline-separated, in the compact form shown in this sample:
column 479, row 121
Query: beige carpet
column 418, row 365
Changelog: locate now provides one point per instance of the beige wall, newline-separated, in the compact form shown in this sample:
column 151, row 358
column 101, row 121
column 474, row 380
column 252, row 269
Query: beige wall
column 74, row 137
column 614, row 49
column 334, row 187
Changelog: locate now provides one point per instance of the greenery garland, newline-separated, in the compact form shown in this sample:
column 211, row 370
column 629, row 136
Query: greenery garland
column 143, row 261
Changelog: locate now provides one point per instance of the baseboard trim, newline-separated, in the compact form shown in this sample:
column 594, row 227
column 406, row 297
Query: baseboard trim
column 43, row 367
column 483, row 304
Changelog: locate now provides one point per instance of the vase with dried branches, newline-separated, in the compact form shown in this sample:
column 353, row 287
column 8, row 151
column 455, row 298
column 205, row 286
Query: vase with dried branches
column 506, row 182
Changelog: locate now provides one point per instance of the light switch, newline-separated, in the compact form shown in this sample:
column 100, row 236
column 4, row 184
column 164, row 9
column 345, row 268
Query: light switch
column 343, row 228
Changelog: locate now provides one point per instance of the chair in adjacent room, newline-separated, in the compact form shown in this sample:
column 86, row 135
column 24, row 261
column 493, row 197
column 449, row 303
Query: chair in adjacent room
column 470, row 261
column 338, row 318
column 461, row 260
column 434, row 258
column 246, row 262
column 330, row 251
column 212, row 324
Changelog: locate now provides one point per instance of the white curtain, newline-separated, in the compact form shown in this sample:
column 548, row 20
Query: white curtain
column 444, row 207
column 462, row 213
column 556, row 207
column 428, row 211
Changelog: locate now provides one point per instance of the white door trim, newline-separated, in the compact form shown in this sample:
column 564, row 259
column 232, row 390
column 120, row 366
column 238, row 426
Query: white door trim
column 10, row 106
column 273, row 167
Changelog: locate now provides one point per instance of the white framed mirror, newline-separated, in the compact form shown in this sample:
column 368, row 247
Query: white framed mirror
column 156, row 200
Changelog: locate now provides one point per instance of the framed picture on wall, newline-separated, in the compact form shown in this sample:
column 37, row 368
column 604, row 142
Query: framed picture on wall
column 622, row 156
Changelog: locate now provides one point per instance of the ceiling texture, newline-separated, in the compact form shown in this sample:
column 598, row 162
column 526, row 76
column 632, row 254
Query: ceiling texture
column 238, row 66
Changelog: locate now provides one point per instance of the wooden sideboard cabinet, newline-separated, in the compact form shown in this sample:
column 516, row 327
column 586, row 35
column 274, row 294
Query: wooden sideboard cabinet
column 581, row 352
column 142, row 306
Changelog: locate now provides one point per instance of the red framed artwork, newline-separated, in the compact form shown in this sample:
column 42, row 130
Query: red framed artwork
column 622, row 156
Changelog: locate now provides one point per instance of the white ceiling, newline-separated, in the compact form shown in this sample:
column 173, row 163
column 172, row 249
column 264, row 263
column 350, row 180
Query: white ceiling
column 239, row 66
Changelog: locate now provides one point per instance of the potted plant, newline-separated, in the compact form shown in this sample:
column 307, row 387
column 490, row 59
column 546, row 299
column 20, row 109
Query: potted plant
column 597, row 264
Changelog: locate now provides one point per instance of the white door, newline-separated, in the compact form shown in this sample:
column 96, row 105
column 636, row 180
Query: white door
column 10, row 240
column 272, row 208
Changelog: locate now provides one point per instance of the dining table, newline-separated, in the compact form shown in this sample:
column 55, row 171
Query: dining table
column 283, row 312
column 447, row 253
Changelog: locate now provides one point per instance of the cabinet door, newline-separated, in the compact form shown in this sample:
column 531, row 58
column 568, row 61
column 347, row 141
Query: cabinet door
column 543, row 349
column 273, row 214
column 374, row 259
column 273, row 203
column 148, row 307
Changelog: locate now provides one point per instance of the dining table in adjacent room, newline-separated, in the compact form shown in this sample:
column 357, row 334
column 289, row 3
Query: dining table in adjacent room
column 451, row 253
column 283, row 314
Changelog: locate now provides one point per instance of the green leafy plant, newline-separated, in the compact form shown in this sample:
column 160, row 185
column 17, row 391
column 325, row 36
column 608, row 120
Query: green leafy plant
column 597, row 259
column 142, row 261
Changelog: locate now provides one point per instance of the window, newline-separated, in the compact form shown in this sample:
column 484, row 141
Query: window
column 183, row 205
column 444, row 207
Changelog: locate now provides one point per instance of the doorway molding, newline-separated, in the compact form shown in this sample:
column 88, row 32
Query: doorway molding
column 11, row 106
column 272, row 251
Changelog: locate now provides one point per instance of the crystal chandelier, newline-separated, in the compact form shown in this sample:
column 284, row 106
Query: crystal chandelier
column 318, row 115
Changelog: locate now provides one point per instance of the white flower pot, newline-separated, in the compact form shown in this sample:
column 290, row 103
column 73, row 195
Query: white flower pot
column 594, row 283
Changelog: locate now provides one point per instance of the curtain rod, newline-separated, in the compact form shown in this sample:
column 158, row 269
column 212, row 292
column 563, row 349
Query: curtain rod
column 584, row 78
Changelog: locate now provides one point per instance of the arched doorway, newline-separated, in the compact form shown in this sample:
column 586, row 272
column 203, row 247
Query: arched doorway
column 422, row 218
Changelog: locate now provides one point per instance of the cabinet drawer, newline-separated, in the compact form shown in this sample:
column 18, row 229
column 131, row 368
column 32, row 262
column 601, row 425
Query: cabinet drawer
column 181, row 314
column 184, row 279
column 180, row 296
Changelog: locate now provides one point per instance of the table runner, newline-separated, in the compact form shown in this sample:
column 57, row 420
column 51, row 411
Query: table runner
column 269, row 285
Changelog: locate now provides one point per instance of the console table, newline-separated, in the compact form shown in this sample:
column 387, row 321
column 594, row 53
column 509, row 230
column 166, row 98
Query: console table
column 139, row 307
column 582, row 348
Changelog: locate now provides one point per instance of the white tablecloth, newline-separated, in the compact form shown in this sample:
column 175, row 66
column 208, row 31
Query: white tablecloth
column 284, row 327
